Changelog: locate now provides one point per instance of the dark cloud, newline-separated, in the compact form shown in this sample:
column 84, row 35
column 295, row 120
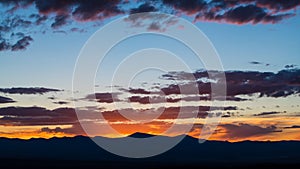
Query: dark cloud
column 246, row 130
column 55, row 130
column 206, row 98
column 54, row 6
column 60, row 20
column 4, row 45
column 281, row 84
column 26, row 116
column 267, row 113
column 165, row 113
column 61, row 102
column 52, row 98
column 188, row 7
column 279, row 5
column 292, row 66
column 227, row 115
column 104, row 97
column 22, row 116
column 152, row 22
column 22, row 3
column 6, row 100
column 62, row 12
column 77, row 30
column 38, row 19
column 18, row 22
column 153, row 99
column 80, row 9
column 251, row 14
column 29, row 90
column 259, row 63
column 60, row 31
column 161, row 113
column 10, row 36
column 22, row 43
column 236, row 12
column 31, row 116
column 76, row 129
column 136, row 91
column 255, row 63
column 96, row 10
column 143, row 8
column 293, row 127
column 151, row 96
column 13, row 22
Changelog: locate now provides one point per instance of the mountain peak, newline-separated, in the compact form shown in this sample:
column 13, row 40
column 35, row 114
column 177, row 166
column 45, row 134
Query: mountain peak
column 140, row 135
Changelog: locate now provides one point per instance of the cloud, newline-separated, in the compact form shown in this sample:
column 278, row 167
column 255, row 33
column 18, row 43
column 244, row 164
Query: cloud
column 278, row 5
column 243, row 130
column 10, row 36
column 164, row 113
column 154, row 99
column 267, row 113
column 143, row 8
column 4, row 45
column 136, row 91
column 255, row 63
column 61, row 102
column 81, row 10
column 292, row 127
column 292, row 66
column 76, row 129
column 38, row 19
column 267, row 84
column 152, row 22
column 22, row 43
column 29, row 90
column 259, row 63
column 32, row 116
column 6, row 100
column 22, row 116
column 235, row 12
column 281, row 84
column 61, row 13
column 60, row 20
column 96, row 10
column 188, row 7
column 250, row 14
column 104, row 97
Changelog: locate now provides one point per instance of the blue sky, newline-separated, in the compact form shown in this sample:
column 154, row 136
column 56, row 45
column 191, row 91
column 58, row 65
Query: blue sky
column 49, row 60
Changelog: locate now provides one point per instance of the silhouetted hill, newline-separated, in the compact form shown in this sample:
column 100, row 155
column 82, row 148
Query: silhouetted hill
column 82, row 152
column 140, row 135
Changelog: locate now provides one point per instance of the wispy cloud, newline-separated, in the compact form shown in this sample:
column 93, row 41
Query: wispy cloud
column 28, row 90
column 6, row 100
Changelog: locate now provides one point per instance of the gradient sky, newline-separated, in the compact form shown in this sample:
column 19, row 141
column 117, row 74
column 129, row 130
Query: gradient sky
column 41, row 40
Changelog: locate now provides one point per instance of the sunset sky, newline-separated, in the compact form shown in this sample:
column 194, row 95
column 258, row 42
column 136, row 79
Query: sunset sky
column 257, row 42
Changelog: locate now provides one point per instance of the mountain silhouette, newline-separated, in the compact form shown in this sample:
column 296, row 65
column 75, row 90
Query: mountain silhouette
column 82, row 152
column 140, row 135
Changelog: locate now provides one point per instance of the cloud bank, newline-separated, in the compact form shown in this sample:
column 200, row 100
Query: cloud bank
column 58, row 14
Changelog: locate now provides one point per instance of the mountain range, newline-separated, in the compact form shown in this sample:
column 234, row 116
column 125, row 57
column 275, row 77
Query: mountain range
column 82, row 152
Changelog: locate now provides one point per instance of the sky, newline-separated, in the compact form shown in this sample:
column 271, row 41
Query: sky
column 257, row 42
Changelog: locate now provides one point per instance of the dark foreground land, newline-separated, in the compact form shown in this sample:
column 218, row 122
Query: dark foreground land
column 81, row 152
